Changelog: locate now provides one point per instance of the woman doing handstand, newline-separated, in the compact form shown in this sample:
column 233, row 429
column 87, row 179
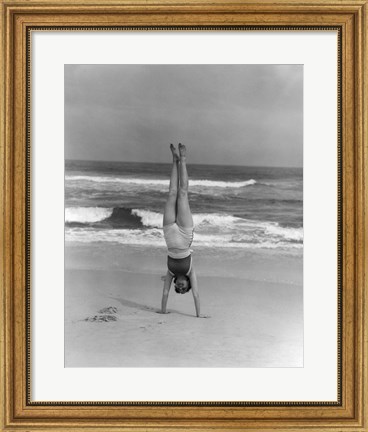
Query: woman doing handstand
column 178, row 233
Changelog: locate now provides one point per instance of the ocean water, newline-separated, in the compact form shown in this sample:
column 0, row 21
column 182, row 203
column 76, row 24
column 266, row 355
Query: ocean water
column 233, row 206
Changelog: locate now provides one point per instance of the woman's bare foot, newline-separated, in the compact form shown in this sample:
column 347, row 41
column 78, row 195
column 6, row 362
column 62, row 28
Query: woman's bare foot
column 174, row 153
column 182, row 151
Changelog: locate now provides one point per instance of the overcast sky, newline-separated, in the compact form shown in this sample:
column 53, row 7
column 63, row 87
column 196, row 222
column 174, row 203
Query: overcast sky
column 225, row 114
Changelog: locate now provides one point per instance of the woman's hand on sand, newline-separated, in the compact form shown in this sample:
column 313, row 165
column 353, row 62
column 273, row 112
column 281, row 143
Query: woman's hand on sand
column 203, row 316
column 162, row 313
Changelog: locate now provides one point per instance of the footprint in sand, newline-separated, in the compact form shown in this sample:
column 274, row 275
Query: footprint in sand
column 149, row 326
column 108, row 310
column 105, row 315
column 101, row 318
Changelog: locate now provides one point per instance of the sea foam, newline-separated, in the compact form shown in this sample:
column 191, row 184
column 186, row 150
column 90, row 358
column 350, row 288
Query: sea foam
column 87, row 214
column 211, row 229
column 154, row 237
column 160, row 183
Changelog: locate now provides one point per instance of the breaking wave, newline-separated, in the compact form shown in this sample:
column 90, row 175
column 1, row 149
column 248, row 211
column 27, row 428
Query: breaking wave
column 160, row 183
column 144, row 227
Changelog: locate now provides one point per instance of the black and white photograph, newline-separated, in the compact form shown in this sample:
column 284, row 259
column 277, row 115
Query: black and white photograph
column 183, row 215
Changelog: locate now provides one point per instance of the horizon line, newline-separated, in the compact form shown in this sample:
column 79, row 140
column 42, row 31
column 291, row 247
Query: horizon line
column 168, row 163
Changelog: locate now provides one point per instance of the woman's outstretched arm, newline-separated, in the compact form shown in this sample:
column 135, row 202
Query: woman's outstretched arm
column 195, row 292
column 165, row 294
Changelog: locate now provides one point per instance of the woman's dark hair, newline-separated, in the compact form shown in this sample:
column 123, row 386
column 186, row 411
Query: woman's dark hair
column 183, row 290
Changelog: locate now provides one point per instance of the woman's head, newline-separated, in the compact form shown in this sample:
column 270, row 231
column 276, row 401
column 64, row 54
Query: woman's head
column 182, row 284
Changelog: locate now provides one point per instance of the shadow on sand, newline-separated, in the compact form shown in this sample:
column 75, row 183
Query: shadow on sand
column 145, row 308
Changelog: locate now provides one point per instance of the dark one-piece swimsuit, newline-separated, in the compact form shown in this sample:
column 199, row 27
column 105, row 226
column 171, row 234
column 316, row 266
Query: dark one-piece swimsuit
column 179, row 267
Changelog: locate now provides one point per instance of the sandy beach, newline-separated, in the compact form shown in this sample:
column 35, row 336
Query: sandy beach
column 112, row 297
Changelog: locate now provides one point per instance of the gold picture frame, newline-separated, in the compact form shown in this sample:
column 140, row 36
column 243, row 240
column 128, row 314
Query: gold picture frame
column 18, row 412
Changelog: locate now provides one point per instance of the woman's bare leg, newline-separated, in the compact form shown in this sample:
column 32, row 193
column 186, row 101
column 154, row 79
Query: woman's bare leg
column 171, row 203
column 184, row 216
